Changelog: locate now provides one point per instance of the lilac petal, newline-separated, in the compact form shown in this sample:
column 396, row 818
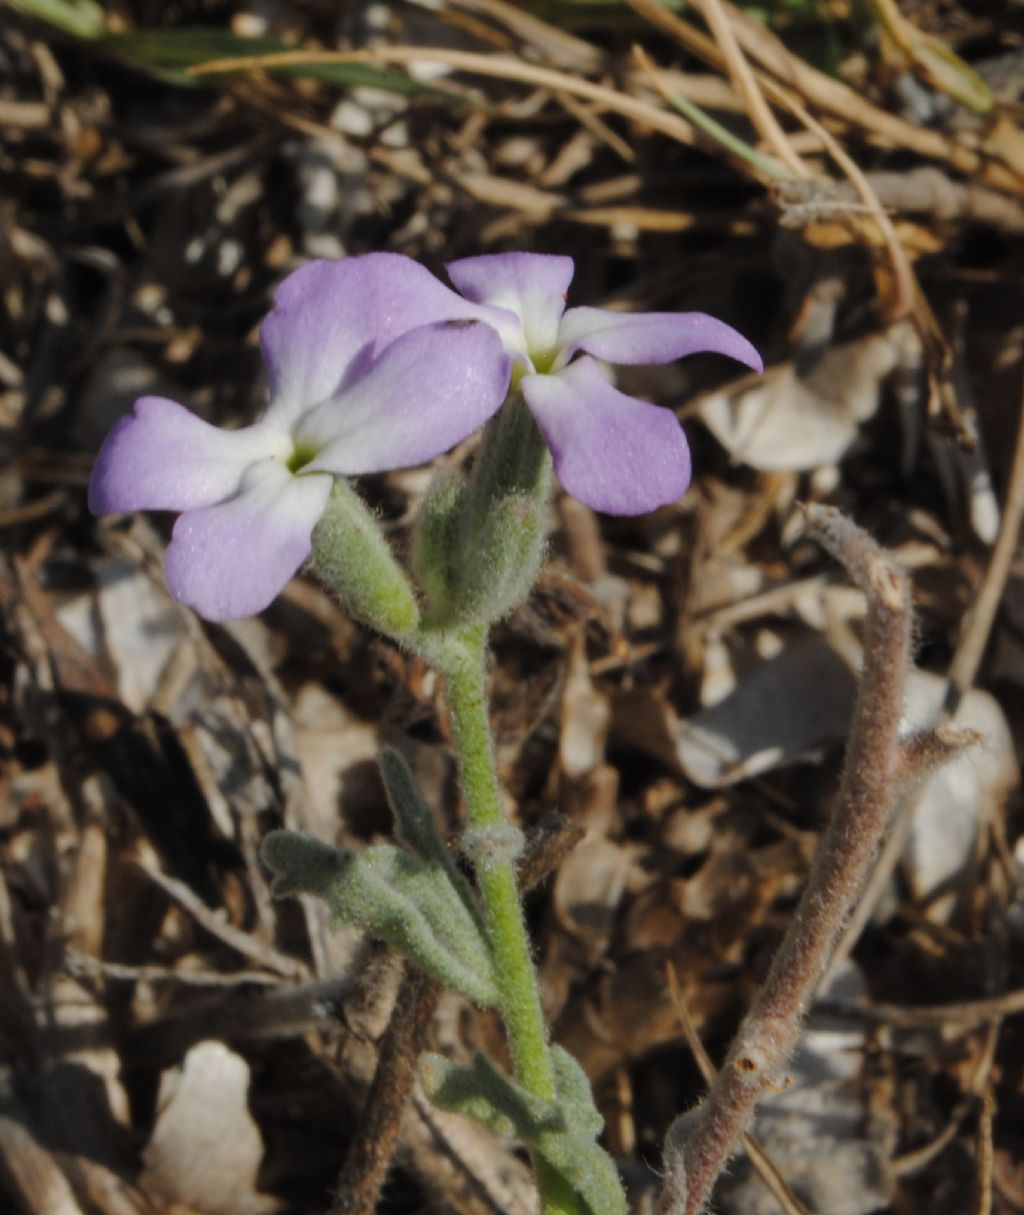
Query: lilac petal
column 330, row 318
column 232, row 559
column 613, row 452
column 162, row 457
column 531, row 285
column 651, row 337
column 426, row 392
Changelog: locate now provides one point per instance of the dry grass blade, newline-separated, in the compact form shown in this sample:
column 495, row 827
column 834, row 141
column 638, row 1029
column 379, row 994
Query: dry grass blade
column 906, row 299
column 985, row 1154
column 747, row 87
column 729, row 54
column 495, row 67
column 763, row 168
column 977, row 624
column 828, row 94
column 555, row 44
column 959, row 1017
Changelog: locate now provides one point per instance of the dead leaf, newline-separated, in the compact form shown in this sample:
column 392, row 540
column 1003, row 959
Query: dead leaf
column 953, row 806
column 783, row 711
column 793, row 422
column 588, row 889
column 206, row 1149
column 585, row 715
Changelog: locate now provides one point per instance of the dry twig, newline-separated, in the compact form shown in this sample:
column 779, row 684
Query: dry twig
column 765, row 1167
column 370, row 1152
column 877, row 767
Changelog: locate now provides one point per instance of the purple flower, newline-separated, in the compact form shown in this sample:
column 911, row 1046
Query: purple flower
column 613, row 452
column 369, row 369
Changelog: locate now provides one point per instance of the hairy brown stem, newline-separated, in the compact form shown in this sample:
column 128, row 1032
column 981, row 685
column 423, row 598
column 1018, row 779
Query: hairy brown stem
column 698, row 1144
column 370, row 1152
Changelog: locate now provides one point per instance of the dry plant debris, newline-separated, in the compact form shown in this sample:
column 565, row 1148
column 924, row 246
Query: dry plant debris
column 679, row 686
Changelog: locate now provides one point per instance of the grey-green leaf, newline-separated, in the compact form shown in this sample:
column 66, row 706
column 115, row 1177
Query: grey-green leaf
column 395, row 897
column 487, row 1095
column 417, row 829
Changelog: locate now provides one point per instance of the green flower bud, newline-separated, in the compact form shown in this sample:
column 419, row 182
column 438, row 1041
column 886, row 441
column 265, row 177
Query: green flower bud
column 353, row 558
column 479, row 547
column 435, row 543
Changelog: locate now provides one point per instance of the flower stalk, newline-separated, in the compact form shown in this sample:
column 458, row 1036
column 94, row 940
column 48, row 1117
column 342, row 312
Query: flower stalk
column 463, row 669
column 373, row 1145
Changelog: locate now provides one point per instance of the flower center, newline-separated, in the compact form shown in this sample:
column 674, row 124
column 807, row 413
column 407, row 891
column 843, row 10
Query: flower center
column 544, row 360
column 302, row 454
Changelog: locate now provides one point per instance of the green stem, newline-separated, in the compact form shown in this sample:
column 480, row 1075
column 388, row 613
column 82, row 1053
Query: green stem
column 462, row 662
column 463, row 670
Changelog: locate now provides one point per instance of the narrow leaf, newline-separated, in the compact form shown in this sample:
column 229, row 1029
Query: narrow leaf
column 417, row 829
column 488, row 1096
column 395, row 898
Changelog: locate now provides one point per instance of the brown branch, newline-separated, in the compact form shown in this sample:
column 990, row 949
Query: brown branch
column 974, row 636
column 763, row 1164
column 698, row 1144
column 370, row 1152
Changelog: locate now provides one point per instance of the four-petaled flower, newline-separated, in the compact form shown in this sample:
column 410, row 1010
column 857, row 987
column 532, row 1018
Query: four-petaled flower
column 375, row 364
column 613, row 452
column 369, row 369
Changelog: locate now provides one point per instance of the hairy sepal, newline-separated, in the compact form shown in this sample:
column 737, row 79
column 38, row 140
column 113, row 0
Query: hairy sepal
column 480, row 544
column 353, row 558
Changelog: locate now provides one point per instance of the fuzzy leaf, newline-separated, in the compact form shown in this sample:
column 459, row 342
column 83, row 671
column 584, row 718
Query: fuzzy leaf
column 553, row 1130
column 430, row 888
column 417, row 830
column 575, row 1095
column 395, row 897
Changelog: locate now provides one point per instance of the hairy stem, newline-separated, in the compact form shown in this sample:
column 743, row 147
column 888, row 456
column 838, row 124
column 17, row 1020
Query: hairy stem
column 464, row 679
column 372, row 1148
column 699, row 1144
column 463, row 665
column 370, row 1152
